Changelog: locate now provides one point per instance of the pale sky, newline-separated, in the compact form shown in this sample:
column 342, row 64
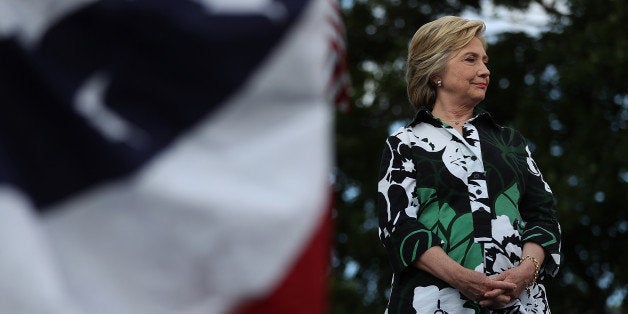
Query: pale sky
column 499, row 19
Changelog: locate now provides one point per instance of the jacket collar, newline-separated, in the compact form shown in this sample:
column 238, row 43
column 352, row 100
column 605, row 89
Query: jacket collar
column 424, row 115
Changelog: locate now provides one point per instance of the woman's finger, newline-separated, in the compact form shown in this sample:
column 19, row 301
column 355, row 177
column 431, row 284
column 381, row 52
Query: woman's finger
column 493, row 293
column 497, row 302
column 505, row 285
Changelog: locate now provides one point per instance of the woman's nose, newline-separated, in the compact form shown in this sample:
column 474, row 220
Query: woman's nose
column 484, row 71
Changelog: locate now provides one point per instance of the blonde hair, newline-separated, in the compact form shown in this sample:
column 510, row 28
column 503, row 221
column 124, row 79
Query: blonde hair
column 429, row 51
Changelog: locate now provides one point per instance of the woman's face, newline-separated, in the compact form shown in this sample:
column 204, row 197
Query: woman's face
column 466, row 76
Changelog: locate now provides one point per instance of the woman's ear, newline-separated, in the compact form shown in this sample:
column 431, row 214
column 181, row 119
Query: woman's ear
column 436, row 81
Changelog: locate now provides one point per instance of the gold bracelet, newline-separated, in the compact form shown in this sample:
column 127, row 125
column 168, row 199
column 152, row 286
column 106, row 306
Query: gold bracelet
column 536, row 271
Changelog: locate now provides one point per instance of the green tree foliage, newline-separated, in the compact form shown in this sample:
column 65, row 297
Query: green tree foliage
column 565, row 90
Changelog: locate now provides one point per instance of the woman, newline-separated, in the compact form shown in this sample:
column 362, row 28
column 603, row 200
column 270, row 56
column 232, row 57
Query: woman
column 468, row 222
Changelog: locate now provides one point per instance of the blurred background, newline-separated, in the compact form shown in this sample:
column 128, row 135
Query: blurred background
column 558, row 75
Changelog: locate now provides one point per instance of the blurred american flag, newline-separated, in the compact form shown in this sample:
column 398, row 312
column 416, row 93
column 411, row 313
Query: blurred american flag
column 167, row 156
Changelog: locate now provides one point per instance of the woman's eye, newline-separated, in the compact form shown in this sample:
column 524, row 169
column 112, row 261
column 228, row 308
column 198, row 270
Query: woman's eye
column 470, row 59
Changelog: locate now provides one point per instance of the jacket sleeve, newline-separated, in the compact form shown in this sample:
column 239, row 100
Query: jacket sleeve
column 538, row 210
column 403, row 236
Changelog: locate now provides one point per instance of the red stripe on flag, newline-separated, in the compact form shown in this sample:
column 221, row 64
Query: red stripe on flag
column 339, row 82
column 304, row 289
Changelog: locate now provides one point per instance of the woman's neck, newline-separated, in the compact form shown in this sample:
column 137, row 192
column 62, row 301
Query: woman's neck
column 454, row 116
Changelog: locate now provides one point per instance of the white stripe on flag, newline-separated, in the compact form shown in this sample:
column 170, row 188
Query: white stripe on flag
column 29, row 280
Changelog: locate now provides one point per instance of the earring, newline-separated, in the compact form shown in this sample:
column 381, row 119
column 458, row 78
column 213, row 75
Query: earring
column 439, row 83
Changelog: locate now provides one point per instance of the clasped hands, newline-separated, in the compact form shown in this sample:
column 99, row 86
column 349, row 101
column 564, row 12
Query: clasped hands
column 494, row 291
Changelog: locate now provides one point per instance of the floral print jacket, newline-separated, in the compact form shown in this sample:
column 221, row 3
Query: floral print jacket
column 478, row 195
